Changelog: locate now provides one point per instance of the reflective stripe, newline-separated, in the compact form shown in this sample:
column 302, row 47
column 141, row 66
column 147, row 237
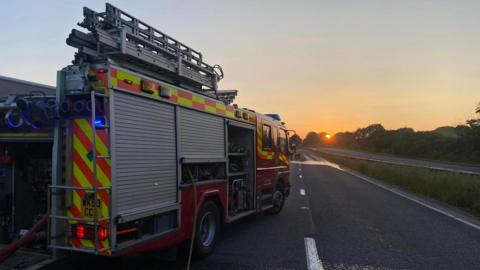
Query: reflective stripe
column 119, row 79
column 261, row 153
column 283, row 158
column 82, row 176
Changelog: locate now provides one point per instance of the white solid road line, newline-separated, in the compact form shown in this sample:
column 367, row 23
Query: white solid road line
column 302, row 192
column 313, row 262
column 408, row 197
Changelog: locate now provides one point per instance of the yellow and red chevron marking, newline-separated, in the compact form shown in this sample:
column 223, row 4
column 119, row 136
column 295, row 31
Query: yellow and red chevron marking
column 128, row 81
column 82, row 176
column 261, row 153
column 283, row 158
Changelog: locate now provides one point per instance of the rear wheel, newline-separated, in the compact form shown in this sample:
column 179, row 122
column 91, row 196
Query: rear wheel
column 208, row 229
column 278, row 200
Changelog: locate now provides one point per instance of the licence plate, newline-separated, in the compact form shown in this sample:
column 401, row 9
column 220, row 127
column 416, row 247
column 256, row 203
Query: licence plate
column 88, row 205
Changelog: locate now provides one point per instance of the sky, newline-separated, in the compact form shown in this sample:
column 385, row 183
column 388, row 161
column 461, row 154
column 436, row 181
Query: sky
column 322, row 65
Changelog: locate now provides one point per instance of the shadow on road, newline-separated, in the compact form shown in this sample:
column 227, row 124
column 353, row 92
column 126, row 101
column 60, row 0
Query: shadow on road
column 160, row 260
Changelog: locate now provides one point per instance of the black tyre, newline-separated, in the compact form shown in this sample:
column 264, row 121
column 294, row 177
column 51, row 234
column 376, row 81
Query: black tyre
column 208, row 229
column 278, row 200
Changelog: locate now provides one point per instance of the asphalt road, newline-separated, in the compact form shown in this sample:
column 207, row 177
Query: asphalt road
column 399, row 160
column 355, row 225
column 361, row 226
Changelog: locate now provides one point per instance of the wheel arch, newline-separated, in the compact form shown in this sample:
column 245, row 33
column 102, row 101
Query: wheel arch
column 283, row 184
column 215, row 198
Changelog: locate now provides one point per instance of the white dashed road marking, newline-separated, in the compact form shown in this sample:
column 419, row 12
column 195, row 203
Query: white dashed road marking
column 313, row 260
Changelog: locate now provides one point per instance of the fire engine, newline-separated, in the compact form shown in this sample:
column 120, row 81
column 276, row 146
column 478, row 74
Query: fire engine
column 147, row 151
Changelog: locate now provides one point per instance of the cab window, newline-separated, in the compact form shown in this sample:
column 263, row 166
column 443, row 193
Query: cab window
column 267, row 137
column 282, row 141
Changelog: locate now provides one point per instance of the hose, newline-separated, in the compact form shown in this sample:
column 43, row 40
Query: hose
column 194, row 228
column 31, row 236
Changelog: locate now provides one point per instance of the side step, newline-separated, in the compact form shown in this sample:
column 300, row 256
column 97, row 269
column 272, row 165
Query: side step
column 266, row 207
column 266, row 199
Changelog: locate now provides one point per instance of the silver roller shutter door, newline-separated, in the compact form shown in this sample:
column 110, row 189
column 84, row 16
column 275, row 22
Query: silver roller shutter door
column 202, row 135
column 144, row 153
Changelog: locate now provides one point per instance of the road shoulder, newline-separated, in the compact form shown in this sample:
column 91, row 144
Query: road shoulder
column 432, row 204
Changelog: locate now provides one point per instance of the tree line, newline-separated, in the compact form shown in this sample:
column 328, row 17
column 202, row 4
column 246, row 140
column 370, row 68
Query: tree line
column 459, row 144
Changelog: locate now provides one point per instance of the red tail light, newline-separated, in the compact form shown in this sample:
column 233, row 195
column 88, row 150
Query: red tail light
column 80, row 232
column 83, row 231
column 102, row 233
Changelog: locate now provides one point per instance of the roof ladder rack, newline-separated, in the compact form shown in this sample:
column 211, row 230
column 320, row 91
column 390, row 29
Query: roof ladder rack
column 117, row 35
column 227, row 96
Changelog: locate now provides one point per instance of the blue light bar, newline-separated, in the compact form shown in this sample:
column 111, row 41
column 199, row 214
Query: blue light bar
column 100, row 122
column 274, row 116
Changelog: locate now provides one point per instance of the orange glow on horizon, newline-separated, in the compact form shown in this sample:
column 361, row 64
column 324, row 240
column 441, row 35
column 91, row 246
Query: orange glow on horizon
column 407, row 64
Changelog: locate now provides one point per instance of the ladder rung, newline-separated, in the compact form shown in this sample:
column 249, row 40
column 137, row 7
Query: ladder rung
column 78, row 188
column 106, row 127
column 79, row 219
column 92, row 251
column 266, row 196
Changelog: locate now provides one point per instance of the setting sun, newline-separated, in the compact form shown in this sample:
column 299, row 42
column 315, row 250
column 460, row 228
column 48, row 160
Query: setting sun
column 328, row 136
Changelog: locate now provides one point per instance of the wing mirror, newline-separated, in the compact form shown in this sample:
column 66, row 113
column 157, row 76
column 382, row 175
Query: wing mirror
column 293, row 149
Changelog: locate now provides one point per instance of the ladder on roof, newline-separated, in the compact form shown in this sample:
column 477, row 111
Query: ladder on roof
column 118, row 35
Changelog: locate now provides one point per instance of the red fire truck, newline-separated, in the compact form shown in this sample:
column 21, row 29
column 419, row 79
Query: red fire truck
column 148, row 153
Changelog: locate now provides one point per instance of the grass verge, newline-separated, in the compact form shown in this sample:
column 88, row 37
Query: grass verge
column 456, row 189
